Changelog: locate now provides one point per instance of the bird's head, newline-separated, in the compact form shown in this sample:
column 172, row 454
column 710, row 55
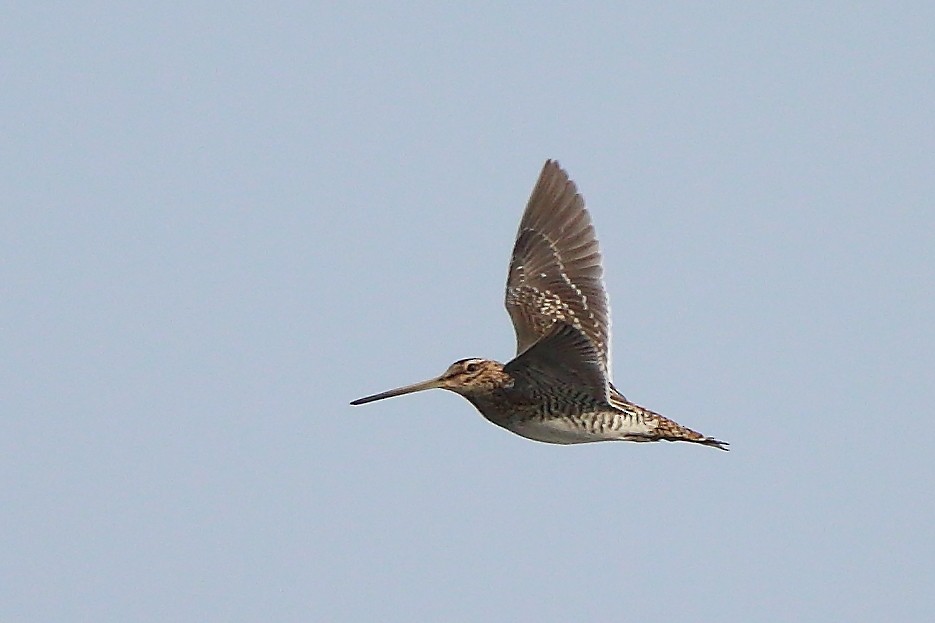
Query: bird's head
column 466, row 377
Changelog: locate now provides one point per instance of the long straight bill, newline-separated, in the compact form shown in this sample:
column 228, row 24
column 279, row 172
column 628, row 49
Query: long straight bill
column 399, row 391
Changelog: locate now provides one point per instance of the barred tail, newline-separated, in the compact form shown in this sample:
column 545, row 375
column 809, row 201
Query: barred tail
column 668, row 430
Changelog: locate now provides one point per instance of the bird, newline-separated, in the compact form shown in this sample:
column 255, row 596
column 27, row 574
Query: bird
column 558, row 388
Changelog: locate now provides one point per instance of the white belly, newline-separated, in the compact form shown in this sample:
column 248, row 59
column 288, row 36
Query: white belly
column 566, row 431
column 557, row 431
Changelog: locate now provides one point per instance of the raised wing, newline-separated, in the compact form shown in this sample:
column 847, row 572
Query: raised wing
column 555, row 272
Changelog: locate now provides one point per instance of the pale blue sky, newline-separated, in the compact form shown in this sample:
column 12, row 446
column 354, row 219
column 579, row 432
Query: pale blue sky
column 220, row 223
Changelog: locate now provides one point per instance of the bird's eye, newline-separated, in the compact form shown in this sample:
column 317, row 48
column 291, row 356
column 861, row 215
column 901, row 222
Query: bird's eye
column 472, row 367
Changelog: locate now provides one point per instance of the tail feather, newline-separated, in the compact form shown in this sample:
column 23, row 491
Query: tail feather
column 664, row 428
column 668, row 430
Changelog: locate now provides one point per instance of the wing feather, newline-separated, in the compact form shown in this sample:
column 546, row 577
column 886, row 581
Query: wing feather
column 565, row 362
column 555, row 271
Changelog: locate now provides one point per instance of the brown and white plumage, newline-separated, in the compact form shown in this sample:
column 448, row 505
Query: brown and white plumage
column 558, row 388
column 555, row 270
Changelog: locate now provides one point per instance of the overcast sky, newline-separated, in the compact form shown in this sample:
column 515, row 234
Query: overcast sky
column 221, row 222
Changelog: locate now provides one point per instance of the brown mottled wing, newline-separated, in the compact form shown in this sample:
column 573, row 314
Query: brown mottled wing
column 555, row 271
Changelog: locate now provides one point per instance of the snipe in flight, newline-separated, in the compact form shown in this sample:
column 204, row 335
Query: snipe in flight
column 558, row 388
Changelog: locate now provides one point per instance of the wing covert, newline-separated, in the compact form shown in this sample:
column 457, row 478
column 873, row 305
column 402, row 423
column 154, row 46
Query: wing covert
column 563, row 360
